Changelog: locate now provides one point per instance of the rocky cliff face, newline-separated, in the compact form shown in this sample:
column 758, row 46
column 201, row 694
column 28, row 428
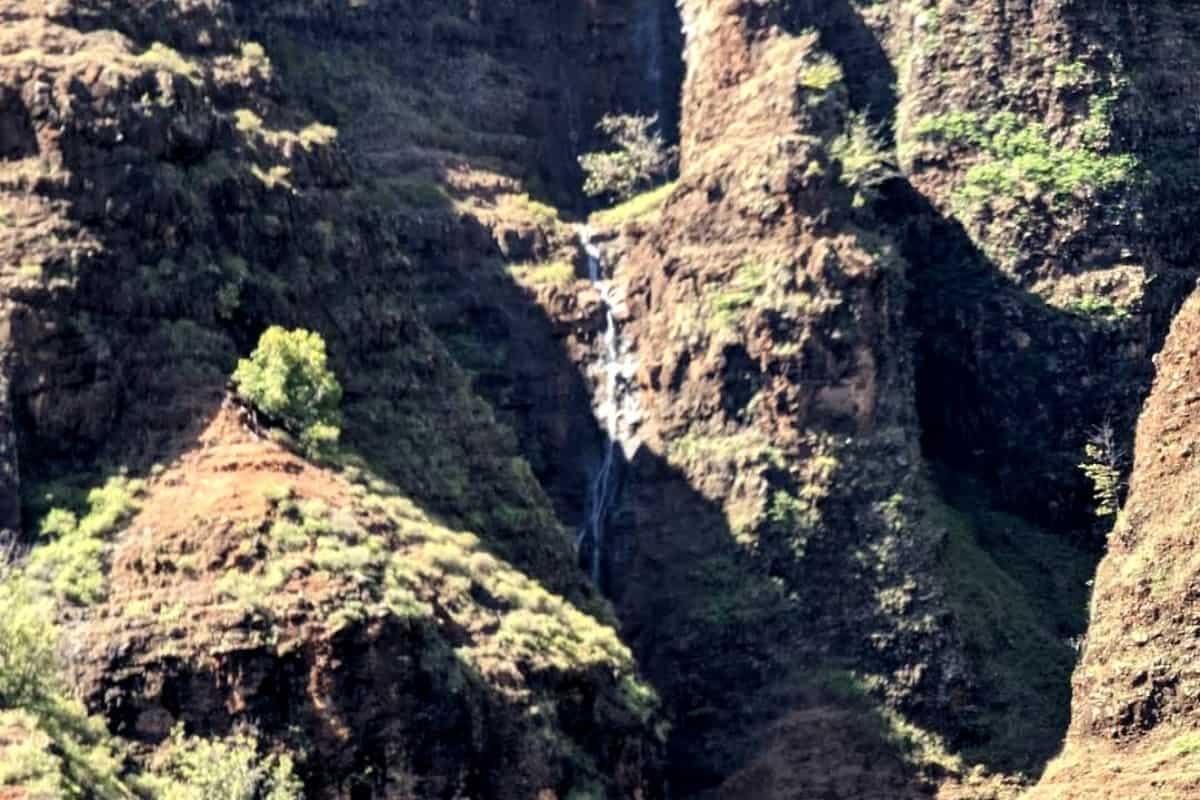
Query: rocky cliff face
column 916, row 255
column 1133, row 711
column 1050, row 138
column 168, row 191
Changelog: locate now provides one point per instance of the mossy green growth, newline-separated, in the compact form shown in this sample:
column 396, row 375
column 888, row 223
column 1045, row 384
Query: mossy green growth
column 288, row 379
column 1185, row 745
column 640, row 207
column 69, row 561
column 416, row 193
column 729, row 302
column 554, row 273
column 1021, row 157
column 1098, row 306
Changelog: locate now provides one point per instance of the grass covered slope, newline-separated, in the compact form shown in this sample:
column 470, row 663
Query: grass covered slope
column 299, row 589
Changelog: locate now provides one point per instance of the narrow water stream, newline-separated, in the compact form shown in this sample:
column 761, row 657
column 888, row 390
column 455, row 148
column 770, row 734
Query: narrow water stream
column 615, row 411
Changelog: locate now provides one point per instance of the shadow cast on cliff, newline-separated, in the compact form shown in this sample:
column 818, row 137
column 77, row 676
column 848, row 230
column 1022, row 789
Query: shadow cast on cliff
column 121, row 357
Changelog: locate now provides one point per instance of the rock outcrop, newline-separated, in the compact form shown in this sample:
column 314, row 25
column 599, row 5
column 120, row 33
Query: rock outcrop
column 1133, row 722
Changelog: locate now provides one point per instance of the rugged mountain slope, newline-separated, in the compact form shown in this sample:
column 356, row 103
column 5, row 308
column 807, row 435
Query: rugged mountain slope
column 166, row 197
column 1133, row 724
column 787, row 573
column 1050, row 137
column 916, row 253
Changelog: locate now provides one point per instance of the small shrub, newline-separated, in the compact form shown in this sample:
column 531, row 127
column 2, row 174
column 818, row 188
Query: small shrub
column 1093, row 305
column 247, row 121
column 70, row 561
column 318, row 134
column 28, row 646
column 223, row 769
column 418, row 194
column 254, row 52
column 640, row 158
column 866, row 163
column 160, row 56
column 821, row 76
column 1103, row 467
column 288, row 379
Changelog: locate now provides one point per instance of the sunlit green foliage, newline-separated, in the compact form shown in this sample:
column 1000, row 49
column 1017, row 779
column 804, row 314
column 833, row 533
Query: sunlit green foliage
column 866, row 163
column 1102, row 466
column 70, row 560
column 1021, row 156
column 641, row 157
column 50, row 748
column 639, row 207
column 222, row 769
column 821, row 76
column 288, row 379
column 28, row 642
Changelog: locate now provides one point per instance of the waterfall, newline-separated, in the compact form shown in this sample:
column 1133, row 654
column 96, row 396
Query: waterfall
column 615, row 410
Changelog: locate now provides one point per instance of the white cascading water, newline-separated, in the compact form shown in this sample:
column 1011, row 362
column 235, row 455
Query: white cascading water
column 615, row 408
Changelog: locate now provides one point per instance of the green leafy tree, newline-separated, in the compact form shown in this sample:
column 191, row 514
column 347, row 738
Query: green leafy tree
column 641, row 157
column 287, row 378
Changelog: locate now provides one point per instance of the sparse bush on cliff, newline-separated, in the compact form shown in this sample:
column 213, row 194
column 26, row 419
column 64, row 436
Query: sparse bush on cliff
column 69, row 564
column 49, row 747
column 866, row 162
column 28, row 641
column 641, row 157
column 288, row 379
column 1103, row 468
column 223, row 769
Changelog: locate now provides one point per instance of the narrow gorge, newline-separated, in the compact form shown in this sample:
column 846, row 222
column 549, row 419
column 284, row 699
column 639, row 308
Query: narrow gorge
column 561, row 400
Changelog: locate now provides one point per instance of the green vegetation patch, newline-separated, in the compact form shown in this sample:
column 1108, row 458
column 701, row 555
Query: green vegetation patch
column 160, row 56
column 392, row 559
column 639, row 208
column 822, row 75
column 553, row 273
column 640, row 156
column 50, row 748
column 1020, row 157
column 69, row 560
column 288, row 379
column 190, row 768
column 777, row 287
